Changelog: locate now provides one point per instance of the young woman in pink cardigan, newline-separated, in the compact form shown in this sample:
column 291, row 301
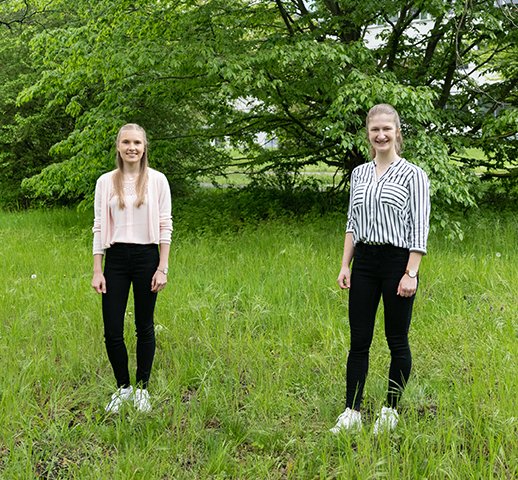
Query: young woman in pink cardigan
column 132, row 232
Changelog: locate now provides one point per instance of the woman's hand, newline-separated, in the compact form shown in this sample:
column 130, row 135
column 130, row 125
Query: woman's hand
column 344, row 278
column 159, row 281
column 407, row 286
column 99, row 282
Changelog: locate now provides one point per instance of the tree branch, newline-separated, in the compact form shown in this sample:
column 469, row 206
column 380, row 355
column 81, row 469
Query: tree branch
column 404, row 20
column 333, row 7
column 436, row 34
column 285, row 16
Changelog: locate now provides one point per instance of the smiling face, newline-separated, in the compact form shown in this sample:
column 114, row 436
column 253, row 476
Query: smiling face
column 383, row 134
column 131, row 145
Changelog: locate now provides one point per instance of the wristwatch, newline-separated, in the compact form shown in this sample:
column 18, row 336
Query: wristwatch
column 165, row 271
column 411, row 273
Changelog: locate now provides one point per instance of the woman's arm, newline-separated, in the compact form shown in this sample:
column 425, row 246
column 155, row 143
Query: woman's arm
column 419, row 226
column 163, row 264
column 98, row 280
column 419, row 212
column 159, row 280
column 408, row 284
column 344, row 277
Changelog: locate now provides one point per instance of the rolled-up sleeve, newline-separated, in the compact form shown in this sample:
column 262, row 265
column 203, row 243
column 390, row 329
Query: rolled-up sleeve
column 419, row 212
column 349, row 227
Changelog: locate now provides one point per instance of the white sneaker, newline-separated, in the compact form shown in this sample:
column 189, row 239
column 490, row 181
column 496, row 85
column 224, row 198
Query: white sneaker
column 350, row 420
column 118, row 398
column 386, row 421
column 141, row 400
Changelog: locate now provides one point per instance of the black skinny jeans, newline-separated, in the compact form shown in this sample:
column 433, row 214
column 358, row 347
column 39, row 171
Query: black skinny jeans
column 130, row 264
column 376, row 273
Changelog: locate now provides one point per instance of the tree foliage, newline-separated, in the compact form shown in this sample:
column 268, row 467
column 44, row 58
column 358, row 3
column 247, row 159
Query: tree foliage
column 206, row 77
column 27, row 131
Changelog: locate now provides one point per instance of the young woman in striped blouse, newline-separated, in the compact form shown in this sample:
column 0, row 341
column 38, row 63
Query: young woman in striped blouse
column 386, row 234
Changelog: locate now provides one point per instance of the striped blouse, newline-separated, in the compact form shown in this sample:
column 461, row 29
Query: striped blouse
column 393, row 209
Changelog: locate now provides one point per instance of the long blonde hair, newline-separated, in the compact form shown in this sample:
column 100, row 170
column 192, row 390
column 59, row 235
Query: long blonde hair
column 388, row 110
column 118, row 176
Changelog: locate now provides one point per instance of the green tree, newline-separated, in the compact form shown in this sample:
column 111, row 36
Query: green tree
column 27, row 131
column 196, row 72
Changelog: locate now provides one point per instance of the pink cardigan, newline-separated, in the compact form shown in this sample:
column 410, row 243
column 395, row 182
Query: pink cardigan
column 158, row 203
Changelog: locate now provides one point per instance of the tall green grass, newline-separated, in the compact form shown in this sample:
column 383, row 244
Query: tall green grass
column 250, row 367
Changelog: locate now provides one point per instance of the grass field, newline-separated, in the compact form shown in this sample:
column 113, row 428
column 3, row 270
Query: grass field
column 250, row 367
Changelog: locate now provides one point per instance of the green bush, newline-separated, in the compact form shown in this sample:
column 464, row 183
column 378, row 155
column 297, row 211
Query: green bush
column 219, row 210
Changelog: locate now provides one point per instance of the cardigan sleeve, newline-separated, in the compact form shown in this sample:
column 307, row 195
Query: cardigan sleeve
column 164, row 211
column 102, row 228
column 97, row 242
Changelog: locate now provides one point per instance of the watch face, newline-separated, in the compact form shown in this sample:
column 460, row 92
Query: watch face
column 166, row 270
column 412, row 273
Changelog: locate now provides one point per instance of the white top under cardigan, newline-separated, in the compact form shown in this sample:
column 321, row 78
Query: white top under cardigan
column 158, row 212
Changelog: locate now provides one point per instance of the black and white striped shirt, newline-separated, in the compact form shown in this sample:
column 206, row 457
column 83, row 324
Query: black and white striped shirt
column 393, row 209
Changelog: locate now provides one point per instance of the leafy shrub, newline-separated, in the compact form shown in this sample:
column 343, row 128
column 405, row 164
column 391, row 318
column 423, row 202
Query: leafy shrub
column 218, row 210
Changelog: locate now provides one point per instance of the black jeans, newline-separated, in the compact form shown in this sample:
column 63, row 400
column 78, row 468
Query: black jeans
column 376, row 273
column 130, row 264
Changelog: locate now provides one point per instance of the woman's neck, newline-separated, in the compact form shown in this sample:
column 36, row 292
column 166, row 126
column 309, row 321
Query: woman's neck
column 131, row 171
column 384, row 160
